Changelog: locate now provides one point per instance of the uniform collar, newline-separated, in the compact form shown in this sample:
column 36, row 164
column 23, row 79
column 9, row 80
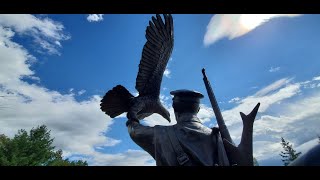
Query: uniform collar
column 188, row 117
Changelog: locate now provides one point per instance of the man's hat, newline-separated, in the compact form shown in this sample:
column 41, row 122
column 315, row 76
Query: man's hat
column 186, row 95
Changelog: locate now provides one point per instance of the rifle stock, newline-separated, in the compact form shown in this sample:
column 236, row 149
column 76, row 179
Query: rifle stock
column 222, row 127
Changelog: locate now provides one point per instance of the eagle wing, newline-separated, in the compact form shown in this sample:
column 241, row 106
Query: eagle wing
column 155, row 55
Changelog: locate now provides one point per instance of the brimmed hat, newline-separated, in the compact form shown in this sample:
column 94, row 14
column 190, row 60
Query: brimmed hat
column 186, row 95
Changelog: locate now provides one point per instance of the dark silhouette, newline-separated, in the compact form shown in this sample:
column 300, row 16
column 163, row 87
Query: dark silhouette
column 187, row 143
column 289, row 154
column 155, row 55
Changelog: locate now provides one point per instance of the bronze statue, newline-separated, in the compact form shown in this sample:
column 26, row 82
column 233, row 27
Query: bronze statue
column 155, row 55
column 189, row 142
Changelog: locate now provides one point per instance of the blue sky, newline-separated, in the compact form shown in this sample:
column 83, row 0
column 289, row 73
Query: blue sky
column 55, row 69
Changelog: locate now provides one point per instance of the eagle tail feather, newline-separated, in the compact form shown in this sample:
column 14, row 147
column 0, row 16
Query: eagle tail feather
column 116, row 101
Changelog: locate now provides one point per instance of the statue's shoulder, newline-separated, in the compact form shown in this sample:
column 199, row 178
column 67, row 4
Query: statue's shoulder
column 206, row 130
column 161, row 128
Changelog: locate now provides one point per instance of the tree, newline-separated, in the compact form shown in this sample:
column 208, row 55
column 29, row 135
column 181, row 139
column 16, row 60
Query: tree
column 59, row 161
column 33, row 149
column 255, row 162
column 289, row 154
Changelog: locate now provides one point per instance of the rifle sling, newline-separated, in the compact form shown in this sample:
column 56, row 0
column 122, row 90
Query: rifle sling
column 182, row 157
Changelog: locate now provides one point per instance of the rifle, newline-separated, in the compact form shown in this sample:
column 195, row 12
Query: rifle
column 222, row 127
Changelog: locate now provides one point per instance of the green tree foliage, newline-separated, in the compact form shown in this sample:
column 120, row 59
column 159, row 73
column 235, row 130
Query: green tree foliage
column 289, row 154
column 57, row 160
column 33, row 149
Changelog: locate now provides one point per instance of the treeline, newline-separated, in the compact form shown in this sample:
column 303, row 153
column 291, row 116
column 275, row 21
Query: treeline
column 32, row 149
column 35, row 149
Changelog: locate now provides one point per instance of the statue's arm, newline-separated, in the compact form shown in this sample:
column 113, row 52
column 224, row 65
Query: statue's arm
column 142, row 136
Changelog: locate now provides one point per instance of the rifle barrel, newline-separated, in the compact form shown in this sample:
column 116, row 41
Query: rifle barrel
column 223, row 128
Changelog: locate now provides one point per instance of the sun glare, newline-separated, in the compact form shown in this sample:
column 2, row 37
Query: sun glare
column 251, row 21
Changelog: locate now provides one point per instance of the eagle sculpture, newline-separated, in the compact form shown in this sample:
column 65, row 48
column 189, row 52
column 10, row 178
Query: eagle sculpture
column 155, row 55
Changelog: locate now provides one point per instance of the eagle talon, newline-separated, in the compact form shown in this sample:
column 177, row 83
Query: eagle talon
column 131, row 121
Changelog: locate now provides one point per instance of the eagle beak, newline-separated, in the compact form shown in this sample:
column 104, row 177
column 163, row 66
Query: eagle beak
column 168, row 118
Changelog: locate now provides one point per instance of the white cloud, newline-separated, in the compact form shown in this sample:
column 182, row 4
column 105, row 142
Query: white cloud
column 272, row 69
column 95, row 17
column 316, row 78
column 236, row 99
column 297, row 120
column 247, row 104
column 167, row 73
column 298, row 123
column 128, row 158
column 37, row 79
column 47, row 33
column 206, row 114
column 156, row 119
column 81, row 92
column 164, row 99
column 32, row 105
column 109, row 142
column 274, row 86
column 236, row 25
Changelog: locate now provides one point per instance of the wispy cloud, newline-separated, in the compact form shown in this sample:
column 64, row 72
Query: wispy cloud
column 81, row 92
column 236, row 99
column 95, row 17
column 47, row 33
column 167, row 72
column 316, row 78
column 296, row 119
column 274, row 69
column 274, row 86
column 236, row 25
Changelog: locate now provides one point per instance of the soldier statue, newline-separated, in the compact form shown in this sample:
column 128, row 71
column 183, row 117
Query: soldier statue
column 187, row 143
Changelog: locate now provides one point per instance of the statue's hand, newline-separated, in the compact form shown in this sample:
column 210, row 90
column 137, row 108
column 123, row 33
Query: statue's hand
column 132, row 120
